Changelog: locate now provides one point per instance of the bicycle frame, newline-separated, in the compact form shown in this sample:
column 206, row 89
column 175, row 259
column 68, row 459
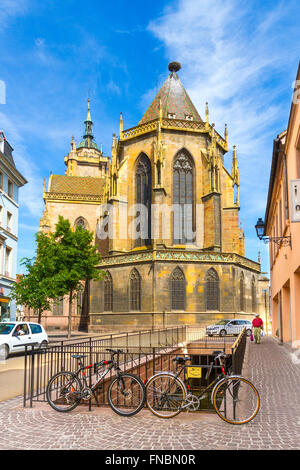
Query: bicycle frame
column 211, row 385
column 111, row 365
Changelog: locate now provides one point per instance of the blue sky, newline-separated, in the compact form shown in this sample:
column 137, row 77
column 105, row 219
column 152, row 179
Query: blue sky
column 240, row 56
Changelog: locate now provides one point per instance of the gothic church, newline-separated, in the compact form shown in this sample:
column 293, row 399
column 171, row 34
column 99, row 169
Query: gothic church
column 165, row 214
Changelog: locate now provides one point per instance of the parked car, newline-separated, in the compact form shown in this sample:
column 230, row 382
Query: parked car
column 229, row 327
column 13, row 340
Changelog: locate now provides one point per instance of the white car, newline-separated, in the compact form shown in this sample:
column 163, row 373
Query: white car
column 14, row 336
column 229, row 327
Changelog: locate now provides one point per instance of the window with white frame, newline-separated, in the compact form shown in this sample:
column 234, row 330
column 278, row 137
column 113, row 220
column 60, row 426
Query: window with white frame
column 7, row 265
column 10, row 189
column 9, row 221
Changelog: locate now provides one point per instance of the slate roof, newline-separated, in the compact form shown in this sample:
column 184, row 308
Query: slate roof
column 174, row 100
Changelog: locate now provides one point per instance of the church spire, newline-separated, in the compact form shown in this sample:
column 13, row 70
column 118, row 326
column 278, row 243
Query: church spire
column 172, row 100
column 88, row 138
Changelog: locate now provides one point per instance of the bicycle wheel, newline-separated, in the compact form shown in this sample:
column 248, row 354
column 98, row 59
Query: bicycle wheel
column 236, row 400
column 165, row 395
column 126, row 394
column 64, row 391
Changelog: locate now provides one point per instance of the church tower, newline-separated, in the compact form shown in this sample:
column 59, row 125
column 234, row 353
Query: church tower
column 78, row 193
column 164, row 209
column 175, row 245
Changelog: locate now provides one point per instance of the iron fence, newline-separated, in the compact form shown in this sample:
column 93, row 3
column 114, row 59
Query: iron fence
column 145, row 353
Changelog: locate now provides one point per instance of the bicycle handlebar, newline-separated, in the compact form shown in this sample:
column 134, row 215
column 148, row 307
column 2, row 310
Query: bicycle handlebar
column 219, row 356
column 113, row 351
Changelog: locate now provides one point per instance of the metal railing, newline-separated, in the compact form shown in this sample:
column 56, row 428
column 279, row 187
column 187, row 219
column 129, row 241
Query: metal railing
column 145, row 352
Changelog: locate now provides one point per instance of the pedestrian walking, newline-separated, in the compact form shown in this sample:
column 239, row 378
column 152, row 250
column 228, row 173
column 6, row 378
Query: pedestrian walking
column 258, row 327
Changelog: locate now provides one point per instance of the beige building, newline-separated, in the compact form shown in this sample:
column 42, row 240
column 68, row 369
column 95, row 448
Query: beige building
column 165, row 212
column 282, row 225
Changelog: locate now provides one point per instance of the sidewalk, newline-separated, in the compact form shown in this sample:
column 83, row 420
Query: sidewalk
column 277, row 425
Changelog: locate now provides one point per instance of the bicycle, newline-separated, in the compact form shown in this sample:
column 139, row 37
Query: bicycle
column 126, row 393
column 235, row 399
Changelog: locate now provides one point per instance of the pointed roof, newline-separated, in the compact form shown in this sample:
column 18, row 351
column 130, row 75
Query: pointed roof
column 173, row 99
column 88, row 138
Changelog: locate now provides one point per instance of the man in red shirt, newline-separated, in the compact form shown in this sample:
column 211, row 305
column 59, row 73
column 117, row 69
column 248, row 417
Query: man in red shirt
column 258, row 326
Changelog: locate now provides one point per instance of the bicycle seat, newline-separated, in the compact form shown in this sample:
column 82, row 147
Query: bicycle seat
column 181, row 360
column 79, row 356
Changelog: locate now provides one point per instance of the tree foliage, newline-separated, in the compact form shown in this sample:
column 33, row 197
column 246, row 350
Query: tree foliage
column 64, row 258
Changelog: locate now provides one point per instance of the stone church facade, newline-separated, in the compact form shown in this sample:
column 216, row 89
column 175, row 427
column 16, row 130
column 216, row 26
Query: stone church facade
column 165, row 214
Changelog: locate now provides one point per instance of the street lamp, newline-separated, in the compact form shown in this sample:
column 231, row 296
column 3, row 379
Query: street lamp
column 260, row 230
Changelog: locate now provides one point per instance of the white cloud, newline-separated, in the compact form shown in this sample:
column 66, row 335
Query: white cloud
column 10, row 9
column 31, row 193
column 234, row 57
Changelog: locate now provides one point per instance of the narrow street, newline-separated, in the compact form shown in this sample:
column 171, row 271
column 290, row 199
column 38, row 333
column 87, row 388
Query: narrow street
column 277, row 425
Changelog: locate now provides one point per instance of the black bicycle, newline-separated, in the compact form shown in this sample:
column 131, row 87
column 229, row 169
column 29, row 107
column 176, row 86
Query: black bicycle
column 126, row 392
column 234, row 398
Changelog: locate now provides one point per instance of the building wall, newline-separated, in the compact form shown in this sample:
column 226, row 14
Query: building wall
column 285, row 260
column 8, row 240
column 156, row 294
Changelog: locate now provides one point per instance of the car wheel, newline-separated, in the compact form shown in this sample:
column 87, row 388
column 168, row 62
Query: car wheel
column 249, row 332
column 4, row 351
column 222, row 333
column 209, row 334
column 44, row 344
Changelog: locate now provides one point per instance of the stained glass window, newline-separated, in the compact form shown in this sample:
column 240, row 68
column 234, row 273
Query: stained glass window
column 135, row 290
column 108, row 293
column 143, row 196
column 212, row 294
column 177, row 290
column 183, row 199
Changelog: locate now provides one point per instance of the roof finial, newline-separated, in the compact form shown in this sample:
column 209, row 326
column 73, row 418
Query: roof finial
column 121, row 126
column 206, row 115
column 88, row 117
column 174, row 66
column 88, row 138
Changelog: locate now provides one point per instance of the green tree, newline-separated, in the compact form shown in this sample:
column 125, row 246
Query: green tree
column 74, row 260
column 32, row 289
column 64, row 258
column 36, row 287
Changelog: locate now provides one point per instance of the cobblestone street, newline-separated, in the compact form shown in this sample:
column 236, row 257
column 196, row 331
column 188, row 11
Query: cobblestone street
column 277, row 425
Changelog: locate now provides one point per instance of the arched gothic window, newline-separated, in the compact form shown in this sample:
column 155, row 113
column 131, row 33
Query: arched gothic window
column 242, row 292
column 135, row 290
column 177, row 290
column 183, row 198
column 79, row 299
column 81, row 222
column 108, row 293
column 58, row 306
column 143, row 197
column 212, row 290
column 253, row 295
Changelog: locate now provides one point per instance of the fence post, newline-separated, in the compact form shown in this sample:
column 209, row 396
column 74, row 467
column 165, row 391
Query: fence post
column 153, row 359
column 62, row 356
column 32, row 375
column 25, row 377
column 90, row 373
